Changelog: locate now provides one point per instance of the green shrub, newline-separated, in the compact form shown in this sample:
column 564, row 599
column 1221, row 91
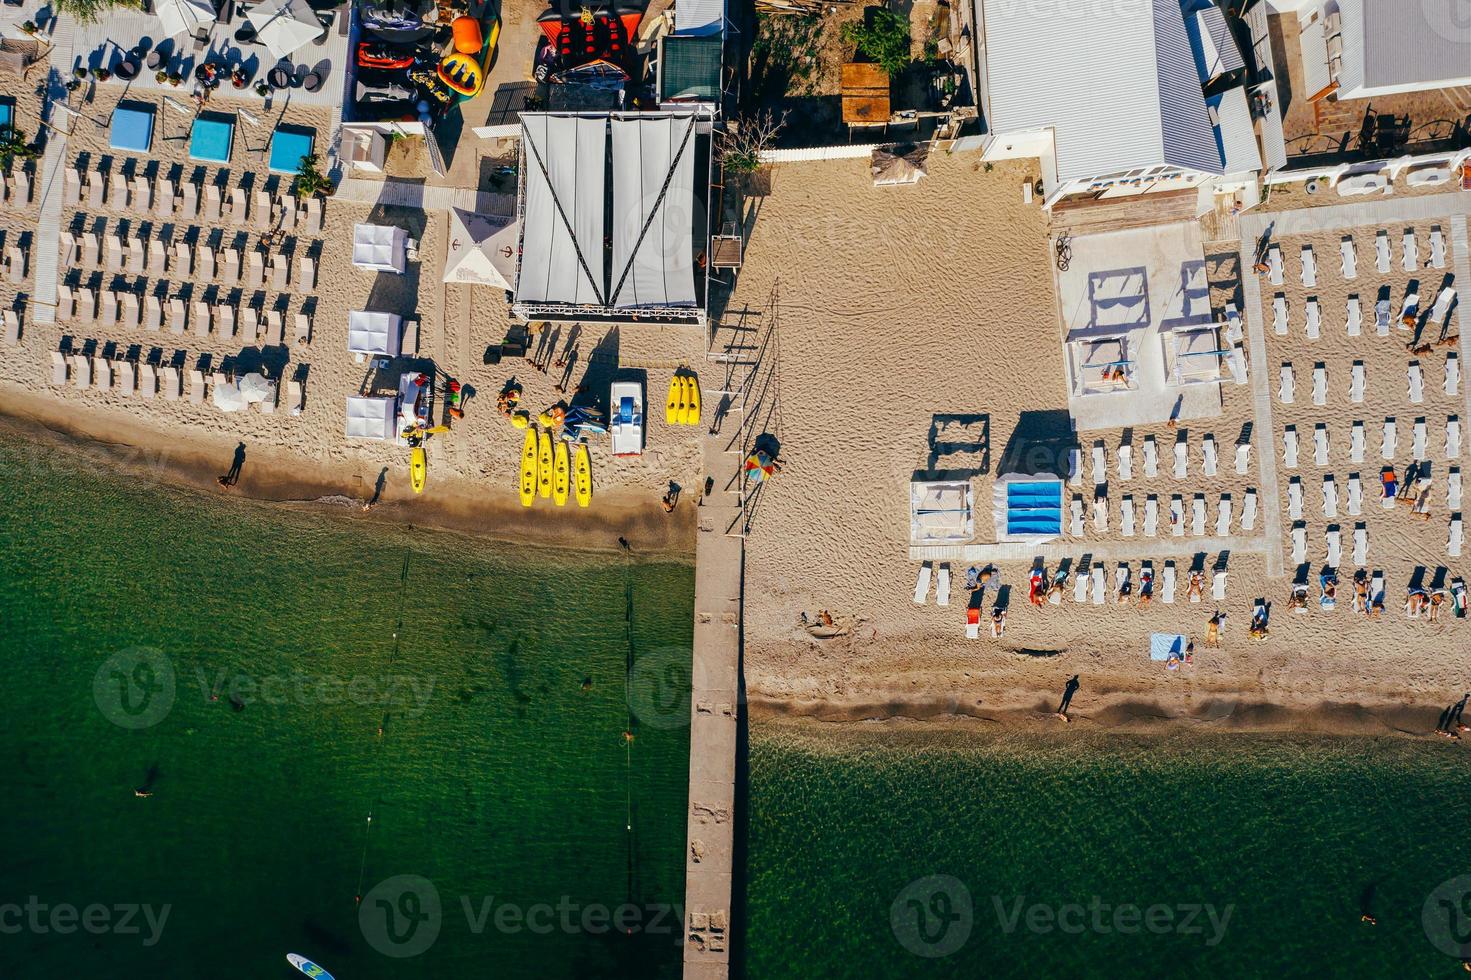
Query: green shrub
column 883, row 36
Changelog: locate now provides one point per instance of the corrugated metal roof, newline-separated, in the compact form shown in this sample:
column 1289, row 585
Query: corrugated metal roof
column 1116, row 83
column 1396, row 44
column 1235, row 136
column 699, row 16
column 1216, row 53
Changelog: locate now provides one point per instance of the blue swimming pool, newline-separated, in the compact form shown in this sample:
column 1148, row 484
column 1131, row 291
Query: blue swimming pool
column 132, row 130
column 7, row 116
column 288, row 146
column 211, row 139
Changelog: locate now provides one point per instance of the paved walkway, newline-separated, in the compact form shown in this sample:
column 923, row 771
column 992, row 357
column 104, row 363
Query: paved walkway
column 413, row 194
column 46, row 249
column 1261, row 396
column 1329, row 217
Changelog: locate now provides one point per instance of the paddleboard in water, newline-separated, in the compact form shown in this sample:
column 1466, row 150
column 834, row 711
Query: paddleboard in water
column 528, row 467
column 561, row 474
column 307, row 966
column 418, row 468
column 582, row 468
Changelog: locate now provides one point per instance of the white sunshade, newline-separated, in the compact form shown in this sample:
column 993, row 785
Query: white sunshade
column 562, row 248
column 374, row 332
column 653, row 201
column 369, row 418
column 380, row 247
column 285, row 26
column 940, row 512
column 482, row 249
column 183, row 16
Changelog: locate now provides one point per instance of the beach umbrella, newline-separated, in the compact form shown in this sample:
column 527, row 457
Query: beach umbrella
column 285, row 26
column 482, row 249
column 227, row 398
column 183, row 16
column 760, row 465
column 256, row 388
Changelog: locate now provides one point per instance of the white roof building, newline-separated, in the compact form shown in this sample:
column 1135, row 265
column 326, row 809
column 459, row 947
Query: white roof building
column 1388, row 46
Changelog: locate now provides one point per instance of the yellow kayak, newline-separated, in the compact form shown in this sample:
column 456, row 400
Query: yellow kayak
column 583, row 471
column 682, row 403
column 560, row 474
column 671, row 410
column 418, row 468
column 692, row 397
column 544, row 463
column 528, row 468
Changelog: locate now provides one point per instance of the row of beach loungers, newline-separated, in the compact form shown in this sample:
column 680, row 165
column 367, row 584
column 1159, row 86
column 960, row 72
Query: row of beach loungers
column 246, row 323
column 1348, row 256
column 190, row 201
column 158, row 256
column 1333, row 542
column 1415, row 491
column 125, row 377
column 1124, row 459
column 1358, row 381
column 1357, row 436
column 1367, row 592
column 1314, row 318
column 1198, row 522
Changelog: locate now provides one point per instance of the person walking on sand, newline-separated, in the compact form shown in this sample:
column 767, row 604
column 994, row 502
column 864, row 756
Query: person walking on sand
column 1067, row 697
column 1455, row 723
column 232, row 477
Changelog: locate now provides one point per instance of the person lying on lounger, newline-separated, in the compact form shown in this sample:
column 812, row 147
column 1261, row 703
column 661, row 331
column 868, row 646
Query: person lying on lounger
column 1416, row 600
column 1376, row 605
column 1437, row 599
column 972, row 579
column 1389, row 488
column 1258, row 629
column 1213, row 629
column 1146, row 587
column 1298, row 598
column 1193, row 591
column 1458, row 597
column 1328, row 583
column 1361, row 591
column 1035, row 587
column 998, row 623
column 1058, row 580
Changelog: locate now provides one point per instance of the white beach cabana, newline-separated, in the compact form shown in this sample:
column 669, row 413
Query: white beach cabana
column 940, row 512
column 285, row 26
column 383, row 248
column 482, row 249
column 374, row 332
column 370, row 418
column 183, row 16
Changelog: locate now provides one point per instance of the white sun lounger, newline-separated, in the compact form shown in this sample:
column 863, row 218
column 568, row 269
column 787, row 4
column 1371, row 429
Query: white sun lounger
column 238, row 210
column 1076, row 525
column 1126, row 517
column 1355, row 495
column 1279, row 315
column 1126, row 462
column 1409, row 310
column 107, row 315
column 1442, row 308
column 1074, row 466
column 1416, row 382
column 262, row 209
column 66, row 303
column 1248, row 511
column 1274, row 265
column 1381, row 318
column 230, row 266
column 1320, row 384
column 1181, row 461
column 1100, row 466
column 1453, row 489
column 1350, row 264
column 1080, row 586
column 142, row 194
column 196, row 386
column 1320, row 444
column 204, row 261
column 1177, row 516
column 1453, row 438
column 81, row 371
column 58, row 368
column 1330, row 497
column 1454, row 540
column 1314, row 319
column 1335, row 547
column 212, row 203
column 1294, row 499
column 1224, row 508
column 1381, row 251
column 294, row 397
column 1099, row 586
column 189, row 202
column 147, row 381
column 1197, row 515
column 86, row 304
column 183, row 259
column 1355, row 317
column 1218, row 586
column 114, row 254
column 1100, row 515
column 1437, row 248
column 178, row 319
column 71, row 191
column 1356, row 442
column 1208, row 452
column 1386, row 446
column 117, row 193
column 1167, row 583
column 200, row 317
column 1356, row 382
column 1120, row 579
column 1299, row 545
column 313, row 215
column 1151, row 516
column 172, row 384
column 1243, row 457
column 225, row 321
column 1151, row 458
column 130, row 315
column 275, row 327
column 158, row 258
column 942, row 585
column 306, row 273
column 1409, row 251
column 101, row 373
column 922, row 586
column 152, row 313
column 1236, row 363
column 1289, row 447
column 1361, row 545
column 163, row 203
column 972, row 630
column 135, row 256
column 91, row 251
column 249, row 324
column 1309, row 267
column 255, row 270
column 1376, row 588
column 96, row 190
column 1285, row 385
column 1452, row 374
column 1234, row 332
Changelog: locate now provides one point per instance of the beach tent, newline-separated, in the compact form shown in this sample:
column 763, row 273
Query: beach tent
column 482, row 249
column 380, row 247
column 1027, row 508
column 901, row 164
column 285, row 26
column 941, row 512
column 374, row 332
column 370, row 418
column 653, row 230
column 183, row 16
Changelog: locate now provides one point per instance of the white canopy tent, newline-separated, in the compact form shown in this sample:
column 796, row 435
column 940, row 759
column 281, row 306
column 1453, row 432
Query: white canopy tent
column 482, row 249
column 383, row 248
column 653, row 197
column 563, row 227
column 183, row 16
column 940, row 512
column 285, row 26
column 370, row 418
column 374, row 332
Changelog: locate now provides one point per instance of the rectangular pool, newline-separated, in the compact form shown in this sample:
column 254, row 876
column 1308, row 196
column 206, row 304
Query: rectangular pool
column 211, row 139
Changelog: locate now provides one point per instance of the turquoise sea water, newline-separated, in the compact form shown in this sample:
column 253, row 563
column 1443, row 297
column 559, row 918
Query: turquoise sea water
column 1296, row 835
column 497, row 778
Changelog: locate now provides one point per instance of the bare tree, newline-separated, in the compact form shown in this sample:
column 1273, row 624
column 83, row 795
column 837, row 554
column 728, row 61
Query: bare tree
column 744, row 140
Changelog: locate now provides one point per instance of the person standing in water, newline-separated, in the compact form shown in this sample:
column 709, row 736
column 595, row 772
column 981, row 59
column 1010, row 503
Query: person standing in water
column 1067, row 697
